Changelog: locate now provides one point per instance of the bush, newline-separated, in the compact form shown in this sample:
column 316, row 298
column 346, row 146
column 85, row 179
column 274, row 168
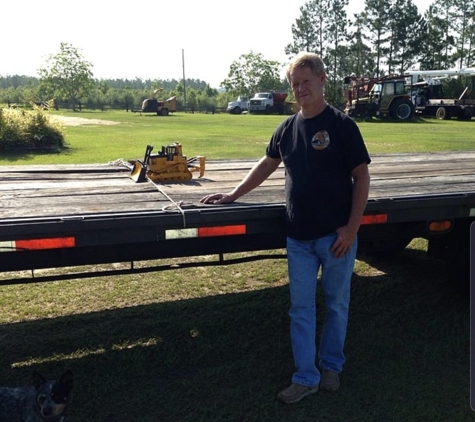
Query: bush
column 29, row 129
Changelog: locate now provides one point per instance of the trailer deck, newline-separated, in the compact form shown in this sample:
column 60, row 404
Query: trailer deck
column 59, row 191
column 64, row 215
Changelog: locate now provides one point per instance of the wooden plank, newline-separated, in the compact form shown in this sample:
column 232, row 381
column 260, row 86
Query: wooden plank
column 66, row 190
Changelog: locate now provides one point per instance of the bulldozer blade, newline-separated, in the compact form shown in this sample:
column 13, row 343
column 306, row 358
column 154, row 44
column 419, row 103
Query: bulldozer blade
column 139, row 171
column 201, row 167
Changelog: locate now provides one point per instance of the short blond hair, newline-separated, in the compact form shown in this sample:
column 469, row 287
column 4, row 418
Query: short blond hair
column 305, row 59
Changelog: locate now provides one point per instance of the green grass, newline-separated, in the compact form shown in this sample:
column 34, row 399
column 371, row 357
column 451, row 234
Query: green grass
column 224, row 136
column 211, row 344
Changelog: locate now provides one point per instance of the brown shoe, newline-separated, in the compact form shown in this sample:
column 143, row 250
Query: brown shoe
column 296, row 392
column 330, row 381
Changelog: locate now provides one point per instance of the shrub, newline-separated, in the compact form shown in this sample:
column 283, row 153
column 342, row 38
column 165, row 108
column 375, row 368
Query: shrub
column 29, row 129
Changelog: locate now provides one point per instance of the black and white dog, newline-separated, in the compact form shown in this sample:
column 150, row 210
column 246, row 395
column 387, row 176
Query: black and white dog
column 44, row 401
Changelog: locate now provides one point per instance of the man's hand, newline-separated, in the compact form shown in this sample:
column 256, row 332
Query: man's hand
column 260, row 172
column 217, row 198
column 344, row 241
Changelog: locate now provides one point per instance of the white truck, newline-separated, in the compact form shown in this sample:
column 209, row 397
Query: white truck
column 238, row 106
column 268, row 102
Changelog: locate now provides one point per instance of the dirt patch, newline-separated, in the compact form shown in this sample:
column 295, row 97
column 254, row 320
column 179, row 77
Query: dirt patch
column 79, row 121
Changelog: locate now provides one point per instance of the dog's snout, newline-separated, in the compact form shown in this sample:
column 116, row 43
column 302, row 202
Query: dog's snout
column 47, row 411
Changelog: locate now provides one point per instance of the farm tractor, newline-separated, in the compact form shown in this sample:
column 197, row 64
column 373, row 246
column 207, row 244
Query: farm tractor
column 384, row 97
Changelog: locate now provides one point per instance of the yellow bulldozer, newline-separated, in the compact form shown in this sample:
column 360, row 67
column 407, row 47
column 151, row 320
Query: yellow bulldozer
column 168, row 165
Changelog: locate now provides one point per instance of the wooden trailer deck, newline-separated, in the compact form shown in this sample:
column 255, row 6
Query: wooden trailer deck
column 76, row 190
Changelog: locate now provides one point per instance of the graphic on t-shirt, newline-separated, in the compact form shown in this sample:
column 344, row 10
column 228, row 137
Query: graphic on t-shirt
column 321, row 140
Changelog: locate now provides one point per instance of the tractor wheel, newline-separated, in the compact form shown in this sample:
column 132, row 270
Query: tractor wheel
column 442, row 113
column 402, row 109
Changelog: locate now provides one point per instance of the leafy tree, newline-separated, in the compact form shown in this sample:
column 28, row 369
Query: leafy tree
column 431, row 56
column 376, row 21
column 444, row 12
column 462, row 22
column 337, row 26
column 309, row 29
column 252, row 73
column 67, row 75
column 357, row 57
column 406, row 36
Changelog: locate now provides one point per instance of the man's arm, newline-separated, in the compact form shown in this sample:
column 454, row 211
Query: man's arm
column 347, row 234
column 260, row 172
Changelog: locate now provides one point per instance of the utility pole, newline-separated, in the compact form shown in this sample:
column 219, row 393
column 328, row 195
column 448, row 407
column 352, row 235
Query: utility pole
column 184, row 80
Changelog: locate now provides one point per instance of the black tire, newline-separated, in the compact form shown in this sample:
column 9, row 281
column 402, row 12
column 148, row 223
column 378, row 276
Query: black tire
column 442, row 113
column 402, row 110
column 267, row 109
column 164, row 112
column 237, row 110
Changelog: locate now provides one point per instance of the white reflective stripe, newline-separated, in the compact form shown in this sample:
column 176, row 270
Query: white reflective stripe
column 7, row 246
column 181, row 233
column 472, row 212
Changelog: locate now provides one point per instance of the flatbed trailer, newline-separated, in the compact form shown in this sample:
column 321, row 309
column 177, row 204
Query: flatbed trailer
column 73, row 215
column 444, row 109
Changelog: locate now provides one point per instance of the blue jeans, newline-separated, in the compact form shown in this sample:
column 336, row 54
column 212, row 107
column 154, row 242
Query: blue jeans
column 304, row 260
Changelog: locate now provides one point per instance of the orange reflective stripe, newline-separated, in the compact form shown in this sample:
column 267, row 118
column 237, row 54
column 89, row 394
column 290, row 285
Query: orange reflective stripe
column 374, row 219
column 221, row 231
column 51, row 243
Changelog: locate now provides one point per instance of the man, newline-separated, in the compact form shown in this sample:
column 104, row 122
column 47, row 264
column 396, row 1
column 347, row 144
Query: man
column 327, row 184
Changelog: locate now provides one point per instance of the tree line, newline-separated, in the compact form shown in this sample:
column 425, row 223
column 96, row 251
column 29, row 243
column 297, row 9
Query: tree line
column 387, row 36
column 125, row 94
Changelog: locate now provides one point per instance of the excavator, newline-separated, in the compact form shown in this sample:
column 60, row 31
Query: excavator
column 168, row 165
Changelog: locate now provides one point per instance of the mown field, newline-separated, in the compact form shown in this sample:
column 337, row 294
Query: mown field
column 211, row 343
column 223, row 136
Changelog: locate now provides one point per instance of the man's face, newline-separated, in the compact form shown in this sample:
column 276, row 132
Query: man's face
column 307, row 87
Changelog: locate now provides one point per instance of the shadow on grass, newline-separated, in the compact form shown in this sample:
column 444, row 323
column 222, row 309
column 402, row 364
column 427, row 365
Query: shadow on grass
column 224, row 358
column 415, row 119
column 20, row 155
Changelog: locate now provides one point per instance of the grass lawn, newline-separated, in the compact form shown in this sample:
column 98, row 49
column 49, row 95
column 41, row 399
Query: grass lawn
column 211, row 344
column 224, row 136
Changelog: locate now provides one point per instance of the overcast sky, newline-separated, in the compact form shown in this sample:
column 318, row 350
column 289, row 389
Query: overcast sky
column 146, row 39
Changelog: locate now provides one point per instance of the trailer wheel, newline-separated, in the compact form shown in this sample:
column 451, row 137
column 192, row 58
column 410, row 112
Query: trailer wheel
column 402, row 109
column 164, row 112
column 442, row 113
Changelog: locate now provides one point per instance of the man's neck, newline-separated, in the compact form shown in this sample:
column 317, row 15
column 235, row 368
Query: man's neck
column 309, row 112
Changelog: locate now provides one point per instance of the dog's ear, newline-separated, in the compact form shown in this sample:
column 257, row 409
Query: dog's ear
column 38, row 379
column 67, row 378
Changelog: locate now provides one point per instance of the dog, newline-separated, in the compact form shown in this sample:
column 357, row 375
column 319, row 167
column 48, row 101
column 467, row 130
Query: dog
column 44, row 401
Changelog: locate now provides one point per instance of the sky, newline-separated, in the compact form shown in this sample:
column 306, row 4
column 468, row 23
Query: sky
column 150, row 39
